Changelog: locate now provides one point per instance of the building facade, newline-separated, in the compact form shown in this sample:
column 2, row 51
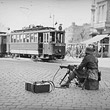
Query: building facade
column 100, row 24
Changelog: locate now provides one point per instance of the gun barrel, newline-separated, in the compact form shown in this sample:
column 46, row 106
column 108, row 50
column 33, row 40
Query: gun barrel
column 71, row 67
column 63, row 67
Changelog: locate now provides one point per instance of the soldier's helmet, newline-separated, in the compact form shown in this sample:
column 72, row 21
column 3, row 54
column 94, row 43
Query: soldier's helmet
column 89, row 50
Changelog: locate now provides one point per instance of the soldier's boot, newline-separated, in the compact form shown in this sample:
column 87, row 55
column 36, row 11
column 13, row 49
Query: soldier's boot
column 66, row 84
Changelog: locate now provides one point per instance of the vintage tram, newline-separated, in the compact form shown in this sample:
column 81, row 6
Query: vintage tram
column 37, row 42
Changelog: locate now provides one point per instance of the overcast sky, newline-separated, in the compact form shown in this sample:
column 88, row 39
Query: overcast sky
column 19, row 13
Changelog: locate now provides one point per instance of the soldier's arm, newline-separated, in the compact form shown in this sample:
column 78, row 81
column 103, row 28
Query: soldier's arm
column 83, row 63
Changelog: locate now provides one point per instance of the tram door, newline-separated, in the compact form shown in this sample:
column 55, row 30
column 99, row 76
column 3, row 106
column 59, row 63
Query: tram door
column 2, row 45
column 40, row 43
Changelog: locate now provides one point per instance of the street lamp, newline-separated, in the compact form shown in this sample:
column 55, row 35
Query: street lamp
column 52, row 19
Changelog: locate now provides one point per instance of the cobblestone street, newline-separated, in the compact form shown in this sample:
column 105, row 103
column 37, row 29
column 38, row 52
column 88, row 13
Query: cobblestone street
column 13, row 96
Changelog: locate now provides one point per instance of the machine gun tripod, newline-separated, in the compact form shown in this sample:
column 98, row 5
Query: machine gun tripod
column 70, row 68
column 77, row 79
column 80, row 78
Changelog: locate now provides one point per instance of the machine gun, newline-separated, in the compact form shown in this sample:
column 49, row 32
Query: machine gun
column 70, row 68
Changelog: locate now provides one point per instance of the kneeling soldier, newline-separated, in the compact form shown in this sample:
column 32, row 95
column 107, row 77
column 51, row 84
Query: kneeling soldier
column 87, row 71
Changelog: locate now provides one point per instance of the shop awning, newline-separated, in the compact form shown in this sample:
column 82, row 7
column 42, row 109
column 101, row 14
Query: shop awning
column 94, row 39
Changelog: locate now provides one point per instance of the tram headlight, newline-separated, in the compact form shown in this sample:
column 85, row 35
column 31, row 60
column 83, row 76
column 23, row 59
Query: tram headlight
column 59, row 50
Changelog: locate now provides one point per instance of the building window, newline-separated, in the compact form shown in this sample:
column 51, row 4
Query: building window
column 101, row 13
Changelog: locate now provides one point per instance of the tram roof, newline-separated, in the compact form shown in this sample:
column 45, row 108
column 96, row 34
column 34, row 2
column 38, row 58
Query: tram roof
column 3, row 33
column 33, row 30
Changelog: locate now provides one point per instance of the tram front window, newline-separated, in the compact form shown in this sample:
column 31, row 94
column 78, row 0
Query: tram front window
column 59, row 38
